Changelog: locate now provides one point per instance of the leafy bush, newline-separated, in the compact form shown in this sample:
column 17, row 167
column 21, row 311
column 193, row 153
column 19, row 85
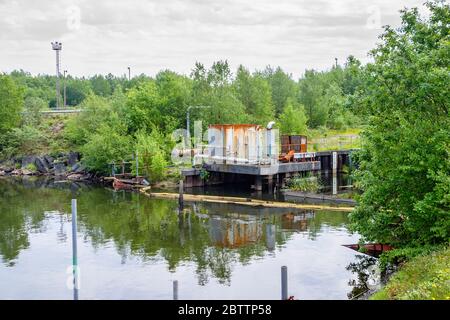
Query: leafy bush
column 22, row 141
column 293, row 119
column 404, row 169
column 305, row 184
column 31, row 167
column 11, row 103
column 151, row 155
column 33, row 108
column 106, row 145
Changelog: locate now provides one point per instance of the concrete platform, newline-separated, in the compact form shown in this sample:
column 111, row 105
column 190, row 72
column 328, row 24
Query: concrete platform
column 264, row 170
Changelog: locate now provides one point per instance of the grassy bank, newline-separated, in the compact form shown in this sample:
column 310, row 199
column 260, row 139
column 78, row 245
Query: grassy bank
column 328, row 139
column 425, row 277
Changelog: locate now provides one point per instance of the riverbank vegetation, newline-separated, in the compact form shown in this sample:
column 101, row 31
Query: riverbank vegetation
column 304, row 184
column 426, row 277
column 404, row 167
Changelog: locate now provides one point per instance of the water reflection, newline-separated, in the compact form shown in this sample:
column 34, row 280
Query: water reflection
column 367, row 274
column 212, row 238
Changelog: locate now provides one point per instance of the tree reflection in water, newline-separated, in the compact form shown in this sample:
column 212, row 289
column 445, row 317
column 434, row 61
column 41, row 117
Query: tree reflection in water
column 367, row 276
column 213, row 237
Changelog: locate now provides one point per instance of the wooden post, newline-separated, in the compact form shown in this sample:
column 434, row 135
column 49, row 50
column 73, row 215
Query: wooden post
column 180, row 198
column 284, row 283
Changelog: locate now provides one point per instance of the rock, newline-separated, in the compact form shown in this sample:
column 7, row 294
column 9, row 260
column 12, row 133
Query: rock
column 2, row 173
column 41, row 165
column 49, row 160
column 9, row 170
column 16, row 172
column 27, row 172
column 78, row 168
column 60, row 169
column 72, row 158
column 76, row 177
column 27, row 160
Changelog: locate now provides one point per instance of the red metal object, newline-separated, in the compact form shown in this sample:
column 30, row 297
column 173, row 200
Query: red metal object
column 372, row 249
column 119, row 185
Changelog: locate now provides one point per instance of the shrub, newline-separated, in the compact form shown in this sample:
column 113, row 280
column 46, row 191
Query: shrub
column 152, row 161
column 304, row 184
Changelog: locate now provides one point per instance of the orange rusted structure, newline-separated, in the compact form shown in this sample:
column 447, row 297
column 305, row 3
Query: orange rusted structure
column 242, row 143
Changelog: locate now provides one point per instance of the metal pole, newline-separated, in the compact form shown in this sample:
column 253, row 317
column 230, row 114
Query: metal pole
column 180, row 199
column 175, row 290
column 284, row 283
column 74, row 249
column 58, row 104
column 65, row 71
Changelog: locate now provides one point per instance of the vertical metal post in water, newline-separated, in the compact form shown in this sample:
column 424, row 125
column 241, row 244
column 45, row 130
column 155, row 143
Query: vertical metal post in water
column 175, row 290
column 74, row 249
column 284, row 283
column 180, row 199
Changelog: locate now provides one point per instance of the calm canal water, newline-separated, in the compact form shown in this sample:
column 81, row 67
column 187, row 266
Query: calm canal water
column 133, row 247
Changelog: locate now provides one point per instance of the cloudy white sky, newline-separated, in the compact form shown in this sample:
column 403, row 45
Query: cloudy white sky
column 104, row 36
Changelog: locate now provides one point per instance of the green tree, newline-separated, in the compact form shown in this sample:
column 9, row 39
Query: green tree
column 282, row 87
column 33, row 108
column 100, row 86
column 213, row 88
column 293, row 119
column 405, row 166
column 108, row 144
column 11, row 103
column 77, row 91
column 254, row 93
column 151, row 154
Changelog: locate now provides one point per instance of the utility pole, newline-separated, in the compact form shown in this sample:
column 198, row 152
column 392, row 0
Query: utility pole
column 57, row 46
column 129, row 73
column 65, row 72
column 336, row 59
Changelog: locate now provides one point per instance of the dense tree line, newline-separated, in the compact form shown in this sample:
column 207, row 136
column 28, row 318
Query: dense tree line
column 121, row 114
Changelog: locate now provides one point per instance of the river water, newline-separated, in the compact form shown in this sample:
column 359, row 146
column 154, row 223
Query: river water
column 134, row 247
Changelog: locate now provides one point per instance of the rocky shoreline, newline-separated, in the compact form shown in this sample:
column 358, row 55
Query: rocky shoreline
column 62, row 165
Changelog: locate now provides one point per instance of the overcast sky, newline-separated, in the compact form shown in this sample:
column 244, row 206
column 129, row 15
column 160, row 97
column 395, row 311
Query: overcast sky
column 107, row 36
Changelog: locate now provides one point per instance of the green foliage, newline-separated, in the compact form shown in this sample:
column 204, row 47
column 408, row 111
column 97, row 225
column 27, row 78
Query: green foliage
column 77, row 91
column 405, row 162
column 11, row 103
column 426, row 277
column 22, row 141
column 213, row 88
column 151, row 155
column 304, row 184
column 293, row 119
column 96, row 110
column 31, row 167
column 101, row 86
column 282, row 87
column 33, row 108
column 204, row 174
column 105, row 146
column 255, row 94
